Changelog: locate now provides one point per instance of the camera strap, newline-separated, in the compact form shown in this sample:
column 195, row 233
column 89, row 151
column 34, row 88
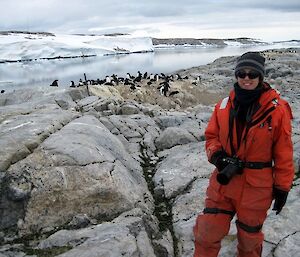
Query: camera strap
column 257, row 165
column 232, row 114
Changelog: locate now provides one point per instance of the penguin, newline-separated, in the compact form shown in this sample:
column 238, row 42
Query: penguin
column 80, row 83
column 197, row 80
column 173, row 93
column 72, row 84
column 120, row 79
column 162, row 75
column 178, row 77
column 115, row 79
column 133, row 87
column 54, row 83
column 108, row 79
column 129, row 76
column 138, row 78
column 166, row 81
column 151, row 76
column 154, row 78
column 139, row 74
column 127, row 82
column 100, row 81
column 112, row 83
column 164, row 88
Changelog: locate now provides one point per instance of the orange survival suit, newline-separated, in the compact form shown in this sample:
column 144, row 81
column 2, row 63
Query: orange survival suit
column 266, row 138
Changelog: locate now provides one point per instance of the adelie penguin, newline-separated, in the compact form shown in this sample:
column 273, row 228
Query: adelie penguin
column 72, row 84
column 80, row 83
column 54, row 83
column 174, row 92
column 129, row 76
column 178, row 77
column 164, row 88
column 138, row 79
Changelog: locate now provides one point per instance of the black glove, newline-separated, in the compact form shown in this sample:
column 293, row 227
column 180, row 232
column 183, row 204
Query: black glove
column 217, row 159
column 280, row 197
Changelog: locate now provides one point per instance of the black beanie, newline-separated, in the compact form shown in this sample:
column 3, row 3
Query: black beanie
column 251, row 60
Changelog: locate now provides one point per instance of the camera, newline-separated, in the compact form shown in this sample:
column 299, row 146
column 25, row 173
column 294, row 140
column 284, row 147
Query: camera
column 234, row 166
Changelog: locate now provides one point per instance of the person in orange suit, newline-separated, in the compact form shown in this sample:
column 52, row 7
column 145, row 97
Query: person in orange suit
column 248, row 139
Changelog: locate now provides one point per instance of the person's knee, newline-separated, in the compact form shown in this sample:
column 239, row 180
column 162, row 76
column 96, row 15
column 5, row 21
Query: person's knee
column 250, row 237
column 211, row 228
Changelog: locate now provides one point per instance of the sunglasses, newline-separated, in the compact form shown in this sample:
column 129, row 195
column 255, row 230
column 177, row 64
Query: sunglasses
column 251, row 74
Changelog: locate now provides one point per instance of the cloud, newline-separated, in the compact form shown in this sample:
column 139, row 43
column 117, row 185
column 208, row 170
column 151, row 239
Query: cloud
column 85, row 16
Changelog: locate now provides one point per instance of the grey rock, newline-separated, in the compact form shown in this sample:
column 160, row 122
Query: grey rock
column 19, row 192
column 173, row 136
column 163, row 247
column 180, row 166
column 172, row 119
column 289, row 246
column 21, row 134
column 79, row 221
column 185, row 209
column 124, row 236
column 287, row 222
column 129, row 109
column 128, row 127
column 65, row 105
column 83, row 168
column 12, row 254
column 195, row 128
column 87, row 101
column 78, row 93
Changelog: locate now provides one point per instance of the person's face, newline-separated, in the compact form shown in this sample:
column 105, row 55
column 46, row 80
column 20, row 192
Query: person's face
column 248, row 79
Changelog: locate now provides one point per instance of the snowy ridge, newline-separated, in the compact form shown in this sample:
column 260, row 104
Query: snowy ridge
column 28, row 46
column 204, row 42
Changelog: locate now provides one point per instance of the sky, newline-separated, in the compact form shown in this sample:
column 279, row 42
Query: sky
column 268, row 20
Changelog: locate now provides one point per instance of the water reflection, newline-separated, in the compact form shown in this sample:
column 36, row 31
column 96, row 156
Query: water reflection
column 42, row 72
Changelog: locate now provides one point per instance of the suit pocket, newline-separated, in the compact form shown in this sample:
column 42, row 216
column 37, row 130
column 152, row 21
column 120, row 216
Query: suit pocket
column 213, row 189
column 256, row 198
column 259, row 177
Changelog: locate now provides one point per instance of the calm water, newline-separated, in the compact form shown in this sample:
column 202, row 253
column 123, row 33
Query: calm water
column 41, row 73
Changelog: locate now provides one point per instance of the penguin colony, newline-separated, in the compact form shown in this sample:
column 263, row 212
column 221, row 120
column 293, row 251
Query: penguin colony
column 161, row 81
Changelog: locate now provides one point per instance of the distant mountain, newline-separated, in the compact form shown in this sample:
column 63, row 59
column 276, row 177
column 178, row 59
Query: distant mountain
column 204, row 41
column 12, row 32
column 296, row 41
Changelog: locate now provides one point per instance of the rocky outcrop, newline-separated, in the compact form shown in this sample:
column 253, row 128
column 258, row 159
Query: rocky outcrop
column 203, row 41
column 95, row 172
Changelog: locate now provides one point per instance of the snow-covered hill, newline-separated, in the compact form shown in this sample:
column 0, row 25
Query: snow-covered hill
column 18, row 46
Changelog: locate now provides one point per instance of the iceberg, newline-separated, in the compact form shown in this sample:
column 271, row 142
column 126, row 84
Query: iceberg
column 22, row 46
